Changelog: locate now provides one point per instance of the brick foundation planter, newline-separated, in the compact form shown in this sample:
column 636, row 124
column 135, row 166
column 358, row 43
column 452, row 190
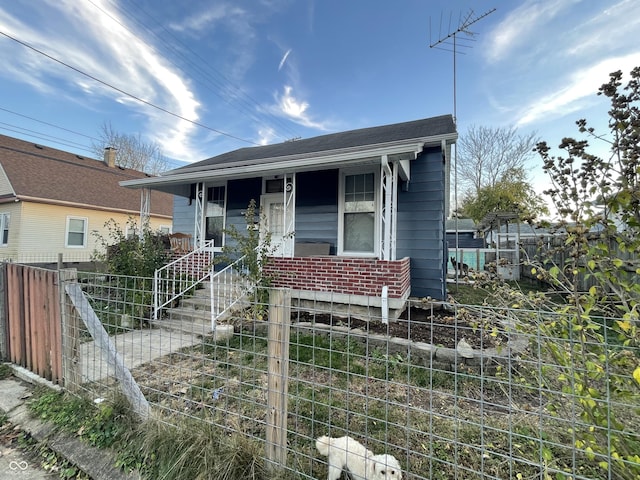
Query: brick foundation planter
column 342, row 275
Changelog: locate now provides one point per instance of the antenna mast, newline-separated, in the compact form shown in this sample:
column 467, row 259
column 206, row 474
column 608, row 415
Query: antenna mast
column 463, row 27
column 450, row 38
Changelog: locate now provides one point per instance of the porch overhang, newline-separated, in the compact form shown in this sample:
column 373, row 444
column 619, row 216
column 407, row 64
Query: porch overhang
column 177, row 181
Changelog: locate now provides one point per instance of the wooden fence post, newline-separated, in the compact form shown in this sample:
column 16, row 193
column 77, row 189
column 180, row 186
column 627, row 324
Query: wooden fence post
column 278, row 377
column 71, row 368
column 4, row 321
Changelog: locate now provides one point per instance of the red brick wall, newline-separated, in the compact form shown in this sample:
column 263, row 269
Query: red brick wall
column 353, row 276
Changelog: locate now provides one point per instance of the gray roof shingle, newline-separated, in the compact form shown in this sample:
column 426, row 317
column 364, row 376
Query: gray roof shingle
column 428, row 127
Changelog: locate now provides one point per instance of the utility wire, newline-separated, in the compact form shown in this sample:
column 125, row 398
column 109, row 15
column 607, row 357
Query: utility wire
column 44, row 136
column 242, row 100
column 49, row 124
column 146, row 102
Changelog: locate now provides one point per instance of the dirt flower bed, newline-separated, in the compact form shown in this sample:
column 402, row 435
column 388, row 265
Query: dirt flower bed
column 434, row 326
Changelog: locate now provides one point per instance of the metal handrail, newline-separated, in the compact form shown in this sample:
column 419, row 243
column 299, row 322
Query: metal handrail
column 181, row 275
column 227, row 287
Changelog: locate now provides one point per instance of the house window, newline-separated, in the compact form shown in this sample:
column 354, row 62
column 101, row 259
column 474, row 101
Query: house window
column 358, row 221
column 76, row 232
column 4, row 228
column 131, row 231
column 215, row 215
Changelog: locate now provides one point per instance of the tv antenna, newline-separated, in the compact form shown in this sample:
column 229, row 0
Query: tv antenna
column 450, row 39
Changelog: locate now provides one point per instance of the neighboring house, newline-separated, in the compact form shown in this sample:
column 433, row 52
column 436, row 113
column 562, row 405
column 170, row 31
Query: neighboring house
column 463, row 233
column 52, row 201
column 352, row 212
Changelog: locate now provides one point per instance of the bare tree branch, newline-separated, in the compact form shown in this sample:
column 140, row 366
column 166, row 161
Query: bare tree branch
column 485, row 154
column 131, row 151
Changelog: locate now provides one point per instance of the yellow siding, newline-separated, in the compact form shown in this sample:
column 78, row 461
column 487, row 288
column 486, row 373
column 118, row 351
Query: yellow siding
column 42, row 232
column 14, row 210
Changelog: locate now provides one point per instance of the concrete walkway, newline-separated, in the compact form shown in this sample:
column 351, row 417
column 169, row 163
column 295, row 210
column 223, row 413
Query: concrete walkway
column 141, row 346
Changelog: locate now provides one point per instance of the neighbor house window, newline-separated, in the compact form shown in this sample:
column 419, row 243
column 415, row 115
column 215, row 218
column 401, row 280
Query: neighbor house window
column 358, row 220
column 215, row 215
column 76, row 232
column 131, row 231
column 4, row 228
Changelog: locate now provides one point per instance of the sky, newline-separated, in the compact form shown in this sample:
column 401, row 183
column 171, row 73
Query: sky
column 203, row 77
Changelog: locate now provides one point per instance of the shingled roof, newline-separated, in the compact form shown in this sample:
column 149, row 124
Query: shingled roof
column 442, row 125
column 39, row 173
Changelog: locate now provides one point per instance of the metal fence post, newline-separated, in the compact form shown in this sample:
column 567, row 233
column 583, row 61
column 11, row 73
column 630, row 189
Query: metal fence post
column 71, row 368
column 278, row 377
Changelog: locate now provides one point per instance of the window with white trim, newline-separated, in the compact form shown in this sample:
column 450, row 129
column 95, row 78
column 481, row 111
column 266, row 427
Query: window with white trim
column 76, row 233
column 4, row 228
column 359, row 215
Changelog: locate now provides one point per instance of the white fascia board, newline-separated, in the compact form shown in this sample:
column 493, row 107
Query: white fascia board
column 353, row 155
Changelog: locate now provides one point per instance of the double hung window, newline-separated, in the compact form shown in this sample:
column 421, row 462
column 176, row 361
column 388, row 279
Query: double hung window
column 4, row 228
column 76, row 234
column 359, row 213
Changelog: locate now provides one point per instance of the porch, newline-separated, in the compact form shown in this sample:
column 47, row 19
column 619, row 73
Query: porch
column 368, row 287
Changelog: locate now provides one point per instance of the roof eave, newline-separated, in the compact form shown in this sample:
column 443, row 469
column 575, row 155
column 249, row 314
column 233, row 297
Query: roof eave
column 265, row 166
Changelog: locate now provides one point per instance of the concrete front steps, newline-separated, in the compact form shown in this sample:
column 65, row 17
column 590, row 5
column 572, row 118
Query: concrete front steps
column 193, row 313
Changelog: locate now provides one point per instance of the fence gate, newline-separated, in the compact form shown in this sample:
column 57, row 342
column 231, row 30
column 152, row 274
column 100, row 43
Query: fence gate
column 33, row 326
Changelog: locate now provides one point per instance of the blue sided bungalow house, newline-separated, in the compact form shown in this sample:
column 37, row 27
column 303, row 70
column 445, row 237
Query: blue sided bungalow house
column 358, row 217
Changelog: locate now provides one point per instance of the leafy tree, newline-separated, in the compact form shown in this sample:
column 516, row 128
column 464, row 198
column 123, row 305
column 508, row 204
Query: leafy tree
column 592, row 341
column 131, row 151
column 133, row 257
column 485, row 155
column 511, row 193
column 256, row 248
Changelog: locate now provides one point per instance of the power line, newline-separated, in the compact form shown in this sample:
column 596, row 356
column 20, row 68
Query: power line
column 43, row 136
column 146, row 102
column 49, row 124
column 242, row 99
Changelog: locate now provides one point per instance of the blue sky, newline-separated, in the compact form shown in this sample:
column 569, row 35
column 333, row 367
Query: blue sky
column 248, row 72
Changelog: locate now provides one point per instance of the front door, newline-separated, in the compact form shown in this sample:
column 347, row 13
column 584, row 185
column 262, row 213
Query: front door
column 274, row 222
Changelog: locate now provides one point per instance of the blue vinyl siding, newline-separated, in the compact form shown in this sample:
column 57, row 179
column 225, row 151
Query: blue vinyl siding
column 183, row 215
column 239, row 194
column 317, row 207
column 420, row 228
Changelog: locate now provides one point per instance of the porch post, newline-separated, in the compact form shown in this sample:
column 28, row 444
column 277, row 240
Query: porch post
column 289, row 214
column 198, row 236
column 145, row 209
column 388, row 206
column 394, row 210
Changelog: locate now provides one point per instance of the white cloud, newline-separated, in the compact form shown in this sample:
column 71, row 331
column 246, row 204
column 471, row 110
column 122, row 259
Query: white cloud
column 580, row 87
column 267, row 135
column 607, row 30
column 94, row 39
column 296, row 109
column 207, row 19
column 284, row 59
column 517, row 28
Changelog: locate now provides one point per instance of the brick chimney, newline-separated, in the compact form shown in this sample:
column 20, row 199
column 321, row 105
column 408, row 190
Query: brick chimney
column 110, row 157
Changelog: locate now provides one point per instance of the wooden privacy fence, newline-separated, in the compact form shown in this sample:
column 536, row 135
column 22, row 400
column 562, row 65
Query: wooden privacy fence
column 31, row 317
